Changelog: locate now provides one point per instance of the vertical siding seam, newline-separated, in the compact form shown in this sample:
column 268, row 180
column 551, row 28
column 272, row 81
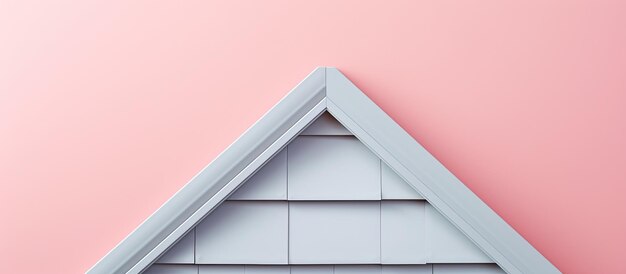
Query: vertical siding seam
column 380, row 176
column 288, row 233
column 288, row 204
column 380, row 232
column 427, row 252
column 287, row 170
column 380, row 215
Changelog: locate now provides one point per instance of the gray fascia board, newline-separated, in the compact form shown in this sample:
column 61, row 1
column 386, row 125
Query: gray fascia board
column 324, row 89
column 218, row 179
column 430, row 178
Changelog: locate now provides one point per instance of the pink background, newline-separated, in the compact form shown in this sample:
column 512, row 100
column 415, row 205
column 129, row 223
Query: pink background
column 108, row 108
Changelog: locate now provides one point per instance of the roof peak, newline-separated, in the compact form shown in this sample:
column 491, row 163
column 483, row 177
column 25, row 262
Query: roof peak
column 324, row 89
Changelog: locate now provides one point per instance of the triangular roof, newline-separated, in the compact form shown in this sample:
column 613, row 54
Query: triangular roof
column 325, row 89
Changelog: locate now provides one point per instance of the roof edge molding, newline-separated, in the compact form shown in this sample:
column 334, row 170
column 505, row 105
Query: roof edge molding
column 324, row 89
column 218, row 179
column 431, row 179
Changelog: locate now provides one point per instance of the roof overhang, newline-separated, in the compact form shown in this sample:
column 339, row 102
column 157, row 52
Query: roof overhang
column 325, row 89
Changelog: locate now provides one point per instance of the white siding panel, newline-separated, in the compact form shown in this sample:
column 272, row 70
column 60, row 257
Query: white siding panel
column 403, row 232
column 332, row 168
column 395, row 187
column 408, row 269
column 268, row 269
column 326, row 124
column 446, row 244
column 467, row 269
column 334, row 232
column 182, row 252
column 269, row 183
column 172, row 269
column 244, row 232
column 312, row 269
column 358, row 269
column 222, row 269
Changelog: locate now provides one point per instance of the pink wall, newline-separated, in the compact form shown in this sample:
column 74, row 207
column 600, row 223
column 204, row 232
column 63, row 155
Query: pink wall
column 106, row 109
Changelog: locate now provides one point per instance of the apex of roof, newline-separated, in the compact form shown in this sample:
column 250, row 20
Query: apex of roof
column 324, row 89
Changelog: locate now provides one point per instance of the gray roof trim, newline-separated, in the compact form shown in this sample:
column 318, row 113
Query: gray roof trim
column 218, row 179
column 324, row 89
column 430, row 178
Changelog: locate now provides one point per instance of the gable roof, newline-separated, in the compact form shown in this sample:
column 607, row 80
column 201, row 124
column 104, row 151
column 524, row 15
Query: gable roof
column 325, row 89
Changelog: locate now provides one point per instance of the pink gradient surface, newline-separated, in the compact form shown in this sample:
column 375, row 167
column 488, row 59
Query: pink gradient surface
column 109, row 107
